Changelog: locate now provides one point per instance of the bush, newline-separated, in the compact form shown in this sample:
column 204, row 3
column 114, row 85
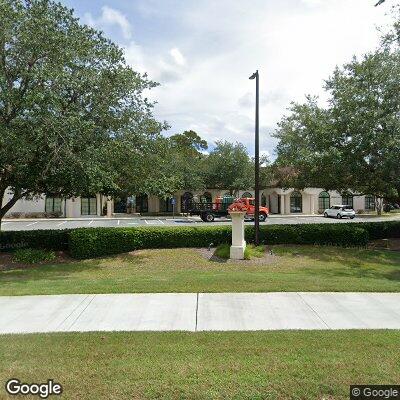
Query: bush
column 382, row 230
column 223, row 251
column 33, row 256
column 40, row 239
column 96, row 242
column 346, row 235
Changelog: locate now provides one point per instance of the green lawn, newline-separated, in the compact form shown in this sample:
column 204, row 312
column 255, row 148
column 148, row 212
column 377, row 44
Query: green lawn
column 298, row 268
column 258, row 365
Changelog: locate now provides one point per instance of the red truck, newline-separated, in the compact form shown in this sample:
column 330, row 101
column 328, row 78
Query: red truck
column 209, row 211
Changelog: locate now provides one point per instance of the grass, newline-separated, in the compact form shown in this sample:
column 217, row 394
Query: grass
column 223, row 251
column 296, row 268
column 257, row 365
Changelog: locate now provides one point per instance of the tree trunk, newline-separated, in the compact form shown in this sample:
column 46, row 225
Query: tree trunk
column 379, row 205
column 7, row 207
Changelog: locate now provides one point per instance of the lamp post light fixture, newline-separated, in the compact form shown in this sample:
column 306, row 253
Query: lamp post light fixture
column 257, row 164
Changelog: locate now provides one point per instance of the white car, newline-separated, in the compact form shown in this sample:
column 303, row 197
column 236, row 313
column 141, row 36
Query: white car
column 340, row 211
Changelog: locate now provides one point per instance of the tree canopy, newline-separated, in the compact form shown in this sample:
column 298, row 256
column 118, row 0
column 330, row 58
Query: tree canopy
column 71, row 109
column 354, row 142
column 229, row 167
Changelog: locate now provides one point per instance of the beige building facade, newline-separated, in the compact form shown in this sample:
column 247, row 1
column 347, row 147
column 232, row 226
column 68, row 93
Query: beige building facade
column 279, row 201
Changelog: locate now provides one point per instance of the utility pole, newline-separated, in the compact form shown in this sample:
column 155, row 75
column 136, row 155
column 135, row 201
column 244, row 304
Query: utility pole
column 257, row 163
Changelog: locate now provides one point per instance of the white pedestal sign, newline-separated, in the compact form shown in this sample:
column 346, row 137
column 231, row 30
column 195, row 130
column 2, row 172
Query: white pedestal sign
column 238, row 242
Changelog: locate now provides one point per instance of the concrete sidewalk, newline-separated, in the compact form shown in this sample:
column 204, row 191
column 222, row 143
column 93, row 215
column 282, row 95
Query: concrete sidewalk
column 199, row 312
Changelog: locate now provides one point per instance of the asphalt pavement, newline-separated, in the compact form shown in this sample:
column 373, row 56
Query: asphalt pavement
column 60, row 223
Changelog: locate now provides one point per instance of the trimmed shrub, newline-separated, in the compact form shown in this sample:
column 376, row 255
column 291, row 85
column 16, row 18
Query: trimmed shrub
column 40, row 239
column 33, row 256
column 96, row 242
column 346, row 235
column 382, row 230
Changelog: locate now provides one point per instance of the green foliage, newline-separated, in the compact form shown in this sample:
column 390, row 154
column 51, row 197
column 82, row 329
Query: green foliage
column 40, row 239
column 96, row 242
column 190, row 142
column 223, row 251
column 254, row 251
column 354, row 142
column 382, row 230
column 33, row 256
column 72, row 111
column 246, row 254
column 229, row 166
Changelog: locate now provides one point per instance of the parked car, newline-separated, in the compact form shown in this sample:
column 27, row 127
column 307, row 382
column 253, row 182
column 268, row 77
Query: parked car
column 340, row 211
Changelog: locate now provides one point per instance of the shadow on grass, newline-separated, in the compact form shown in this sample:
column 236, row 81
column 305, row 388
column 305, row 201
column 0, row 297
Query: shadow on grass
column 354, row 257
column 65, row 270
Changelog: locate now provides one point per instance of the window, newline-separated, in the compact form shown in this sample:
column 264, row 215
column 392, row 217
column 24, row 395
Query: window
column 53, row 205
column 296, row 202
column 246, row 195
column 324, row 201
column 88, row 206
column 347, row 200
column 369, row 203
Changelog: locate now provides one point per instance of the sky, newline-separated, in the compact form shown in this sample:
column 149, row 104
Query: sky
column 202, row 53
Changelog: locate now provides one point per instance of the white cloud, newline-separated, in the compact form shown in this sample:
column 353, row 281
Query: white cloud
column 295, row 44
column 177, row 56
column 110, row 17
column 312, row 2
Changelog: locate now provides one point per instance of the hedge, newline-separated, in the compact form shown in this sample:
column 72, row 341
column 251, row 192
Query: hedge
column 96, row 242
column 40, row 239
column 382, row 230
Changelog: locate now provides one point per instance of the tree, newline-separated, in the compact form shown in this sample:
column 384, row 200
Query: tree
column 189, row 142
column 229, row 167
column 68, row 105
column 187, row 159
column 354, row 143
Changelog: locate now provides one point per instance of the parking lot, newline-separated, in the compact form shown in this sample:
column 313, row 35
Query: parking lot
column 35, row 224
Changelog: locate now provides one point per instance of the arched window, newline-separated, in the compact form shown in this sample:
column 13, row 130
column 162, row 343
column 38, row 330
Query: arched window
column 186, row 200
column 369, row 202
column 296, row 202
column 246, row 195
column 324, row 201
column 206, row 197
column 347, row 200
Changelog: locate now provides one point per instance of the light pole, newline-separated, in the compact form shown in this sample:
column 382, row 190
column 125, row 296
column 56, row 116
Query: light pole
column 257, row 165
